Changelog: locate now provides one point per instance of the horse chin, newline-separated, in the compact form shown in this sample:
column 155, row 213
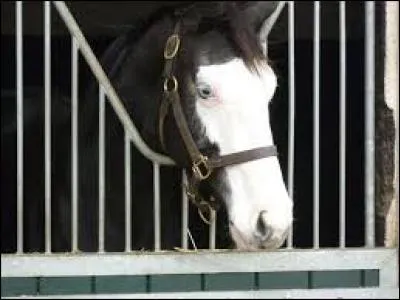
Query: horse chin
column 245, row 244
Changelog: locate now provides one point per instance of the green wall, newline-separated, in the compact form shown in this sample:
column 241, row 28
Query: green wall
column 188, row 282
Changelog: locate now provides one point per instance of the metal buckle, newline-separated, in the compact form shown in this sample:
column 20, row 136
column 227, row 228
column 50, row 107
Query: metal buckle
column 171, row 46
column 200, row 164
column 170, row 84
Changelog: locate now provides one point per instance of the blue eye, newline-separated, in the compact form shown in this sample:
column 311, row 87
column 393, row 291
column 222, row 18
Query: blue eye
column 204, row 90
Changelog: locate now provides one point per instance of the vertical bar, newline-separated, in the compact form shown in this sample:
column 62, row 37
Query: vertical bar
column 213, row 226
column 369, row 123
column 342, row 129
column 102, row 78
column 74, row 130
column 47, row 109
column 316, row 123
column 20, row 170
column 185, row 212
column 101, row 167
column 128, row 198
column 156, row 188
column 291, row 113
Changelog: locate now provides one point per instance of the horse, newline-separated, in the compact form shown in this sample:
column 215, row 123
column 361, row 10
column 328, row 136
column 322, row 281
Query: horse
column 197, row 84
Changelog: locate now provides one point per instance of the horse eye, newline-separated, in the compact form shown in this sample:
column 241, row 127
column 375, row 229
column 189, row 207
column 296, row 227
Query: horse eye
column 204, row 91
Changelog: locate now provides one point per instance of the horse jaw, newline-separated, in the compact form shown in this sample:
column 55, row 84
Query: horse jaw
column 236, row 118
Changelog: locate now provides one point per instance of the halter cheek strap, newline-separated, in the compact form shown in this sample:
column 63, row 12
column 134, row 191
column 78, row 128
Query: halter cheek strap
column 201, row 165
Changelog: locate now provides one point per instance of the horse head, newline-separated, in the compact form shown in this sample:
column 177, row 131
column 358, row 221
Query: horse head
column 208, row 57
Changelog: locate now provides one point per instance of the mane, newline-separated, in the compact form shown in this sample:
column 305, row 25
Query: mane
column 196, row 17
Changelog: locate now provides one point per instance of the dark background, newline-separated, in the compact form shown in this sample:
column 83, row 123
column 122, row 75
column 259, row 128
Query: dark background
column 102, row 21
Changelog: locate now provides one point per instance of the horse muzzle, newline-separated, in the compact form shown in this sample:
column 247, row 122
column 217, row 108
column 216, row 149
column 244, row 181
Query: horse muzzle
column 264, row 235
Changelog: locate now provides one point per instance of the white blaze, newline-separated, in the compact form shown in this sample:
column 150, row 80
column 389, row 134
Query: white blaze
column 237, row 119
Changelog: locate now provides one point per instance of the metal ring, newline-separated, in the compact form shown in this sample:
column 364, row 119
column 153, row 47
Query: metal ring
column 175, row 84
column 210, row 209
column 171, row 46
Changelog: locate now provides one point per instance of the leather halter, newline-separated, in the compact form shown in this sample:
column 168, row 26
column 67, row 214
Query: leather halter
column 201, row 165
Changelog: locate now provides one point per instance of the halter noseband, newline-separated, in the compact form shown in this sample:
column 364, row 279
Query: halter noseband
column 201, row 165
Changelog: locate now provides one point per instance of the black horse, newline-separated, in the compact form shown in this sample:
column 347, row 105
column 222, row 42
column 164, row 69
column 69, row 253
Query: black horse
column 224, row 84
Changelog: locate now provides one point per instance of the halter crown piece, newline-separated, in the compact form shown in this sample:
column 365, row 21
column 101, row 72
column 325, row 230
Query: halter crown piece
column 202, row 166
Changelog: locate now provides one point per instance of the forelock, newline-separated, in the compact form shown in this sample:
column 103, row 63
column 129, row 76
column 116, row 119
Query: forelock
column 227, row 19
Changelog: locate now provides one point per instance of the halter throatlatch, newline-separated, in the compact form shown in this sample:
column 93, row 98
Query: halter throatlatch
column 201, row 166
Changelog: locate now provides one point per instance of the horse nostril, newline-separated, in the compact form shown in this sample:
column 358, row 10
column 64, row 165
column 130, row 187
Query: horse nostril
column 263, row 230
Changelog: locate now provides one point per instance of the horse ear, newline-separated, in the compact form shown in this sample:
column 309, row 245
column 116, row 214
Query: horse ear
column 262, row 16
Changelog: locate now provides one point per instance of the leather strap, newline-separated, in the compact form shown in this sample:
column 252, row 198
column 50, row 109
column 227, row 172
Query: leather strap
column 163, row 111
column 243, row 156
column 180, row 120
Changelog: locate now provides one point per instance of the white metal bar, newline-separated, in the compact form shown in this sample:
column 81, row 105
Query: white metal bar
column 101, row 167
column 369, row 174
column 47, row 108
column 128, row 195
column 185, row 212
column 74, row 150
column 102, row 78
column 198, row 262
column 20, row 127
column 157, row 208
column 316, row 123
column 342, row 129
column 291, row 113
column 268, row 25
column 270, row 22
column 321, row 293
column 213, row 229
